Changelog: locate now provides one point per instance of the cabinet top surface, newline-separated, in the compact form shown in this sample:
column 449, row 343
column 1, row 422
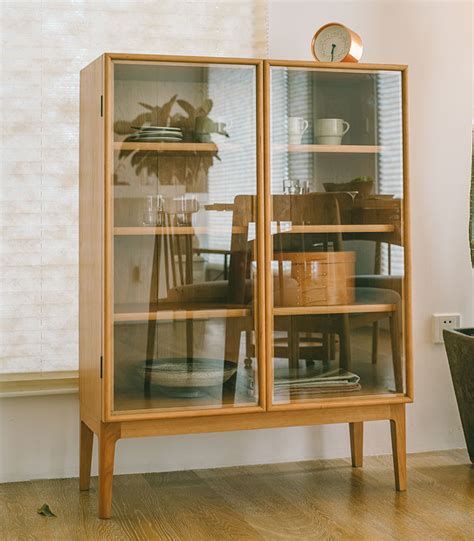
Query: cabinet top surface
column 254, row 61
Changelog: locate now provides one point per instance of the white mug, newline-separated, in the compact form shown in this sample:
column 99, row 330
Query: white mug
column 330, row 131
column 297, row 127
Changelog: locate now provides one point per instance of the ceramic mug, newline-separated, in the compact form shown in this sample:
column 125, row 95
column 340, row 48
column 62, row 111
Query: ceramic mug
column 330, row 131
column 297, row 127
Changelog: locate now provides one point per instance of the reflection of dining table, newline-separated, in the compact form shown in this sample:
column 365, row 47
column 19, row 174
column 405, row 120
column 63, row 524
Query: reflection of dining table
column 374, row 218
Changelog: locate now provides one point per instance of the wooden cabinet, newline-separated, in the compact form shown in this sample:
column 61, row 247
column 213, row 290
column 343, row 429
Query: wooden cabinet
column 244, row 256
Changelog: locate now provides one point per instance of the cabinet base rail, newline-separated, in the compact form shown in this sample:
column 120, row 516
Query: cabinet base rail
column 109, row 433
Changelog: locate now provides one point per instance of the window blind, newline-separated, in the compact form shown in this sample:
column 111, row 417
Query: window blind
column 236, row 172
column 300, row 105
column 390, row 162
column 45, row 44
column 279, row 128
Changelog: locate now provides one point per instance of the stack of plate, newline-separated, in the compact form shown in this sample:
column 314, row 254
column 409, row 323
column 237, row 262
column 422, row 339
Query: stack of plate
column 156, row 134
column 188, row 377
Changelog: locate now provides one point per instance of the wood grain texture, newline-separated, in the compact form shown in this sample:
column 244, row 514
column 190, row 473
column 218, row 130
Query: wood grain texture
column 317, row 499
column 97, row 404
column 167, row 147
column 407, row 285
column 356, row 436
column 174, row 315
column 85, row 456
column 91, row 217
column 313, row 412
column 338, row 67
column 108, row 274
column 134, row 231
column 108, row 436
column 398, row 433
column 260, row 300
column 336, row 309
column 327, row 149
column 342, row 228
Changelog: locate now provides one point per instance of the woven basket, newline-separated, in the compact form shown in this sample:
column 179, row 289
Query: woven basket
column 314, row 278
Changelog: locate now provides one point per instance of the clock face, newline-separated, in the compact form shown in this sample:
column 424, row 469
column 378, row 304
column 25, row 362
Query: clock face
column 332, row 44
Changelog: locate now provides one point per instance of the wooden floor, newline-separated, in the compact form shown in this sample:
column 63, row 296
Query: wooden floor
column 302, row 500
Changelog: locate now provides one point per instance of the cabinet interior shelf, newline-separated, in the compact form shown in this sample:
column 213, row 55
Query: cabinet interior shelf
column 136, row 313
column 191, row 230
column 328, row 149
column 166, row 147
column 334, row 309
column 343, row 228
column 184, row 230
column 129, row 313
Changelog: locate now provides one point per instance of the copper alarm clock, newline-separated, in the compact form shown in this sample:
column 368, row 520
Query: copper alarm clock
column 334, row 42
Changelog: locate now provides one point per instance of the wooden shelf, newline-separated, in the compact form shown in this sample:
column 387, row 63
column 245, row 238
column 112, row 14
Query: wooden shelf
column 166, row 147
column 185, row 230
column 328, row 149
column 335, row 309
column 202, row 230
column 346, row 228
column 170, row 312
column 131, row 399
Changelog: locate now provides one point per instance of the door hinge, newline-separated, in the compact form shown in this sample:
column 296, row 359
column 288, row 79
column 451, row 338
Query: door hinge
column 102, row 106
column 101, row 366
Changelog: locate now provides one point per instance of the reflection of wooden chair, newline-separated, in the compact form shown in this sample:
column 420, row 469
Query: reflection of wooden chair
column 309, row 336
column 234, row 292
column 381, row 281
column 327, row 209
column 378, row 210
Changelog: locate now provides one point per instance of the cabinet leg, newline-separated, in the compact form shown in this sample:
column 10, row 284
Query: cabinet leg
column 85, row 459
column 356, row 431
column 108, row 436
column 398, row 431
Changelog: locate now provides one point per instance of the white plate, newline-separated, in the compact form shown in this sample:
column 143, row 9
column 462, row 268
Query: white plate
column 158, row 134
column 156, row 140
column 157, row 128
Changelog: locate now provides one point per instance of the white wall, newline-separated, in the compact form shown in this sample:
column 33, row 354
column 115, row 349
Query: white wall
column 39, row 435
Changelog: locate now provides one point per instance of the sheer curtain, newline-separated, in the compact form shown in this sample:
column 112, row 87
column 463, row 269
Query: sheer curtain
column 45, row 44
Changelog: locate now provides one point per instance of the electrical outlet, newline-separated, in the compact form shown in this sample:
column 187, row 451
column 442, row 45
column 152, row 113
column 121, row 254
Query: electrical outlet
column 444, row 321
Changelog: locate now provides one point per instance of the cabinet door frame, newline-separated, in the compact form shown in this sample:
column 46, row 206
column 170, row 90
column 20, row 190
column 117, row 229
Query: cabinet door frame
column 108, row 414
column 374, row 399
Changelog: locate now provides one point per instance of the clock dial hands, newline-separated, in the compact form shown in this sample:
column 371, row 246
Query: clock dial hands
column 335, row 43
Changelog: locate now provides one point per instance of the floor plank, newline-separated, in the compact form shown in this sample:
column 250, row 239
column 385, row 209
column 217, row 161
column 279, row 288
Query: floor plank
column 314, row 500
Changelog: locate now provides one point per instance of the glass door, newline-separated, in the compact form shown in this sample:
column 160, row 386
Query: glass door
column 336, row 234
column 185, row 277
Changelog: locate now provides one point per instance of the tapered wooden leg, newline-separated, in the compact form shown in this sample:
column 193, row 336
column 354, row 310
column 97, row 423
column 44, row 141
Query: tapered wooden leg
column 398, row 430
column 108, row 436
column 356, row 431
column 85, row 460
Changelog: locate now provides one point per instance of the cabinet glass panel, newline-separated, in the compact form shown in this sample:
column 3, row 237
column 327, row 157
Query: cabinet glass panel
column 338, row 263
column 184, row 249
